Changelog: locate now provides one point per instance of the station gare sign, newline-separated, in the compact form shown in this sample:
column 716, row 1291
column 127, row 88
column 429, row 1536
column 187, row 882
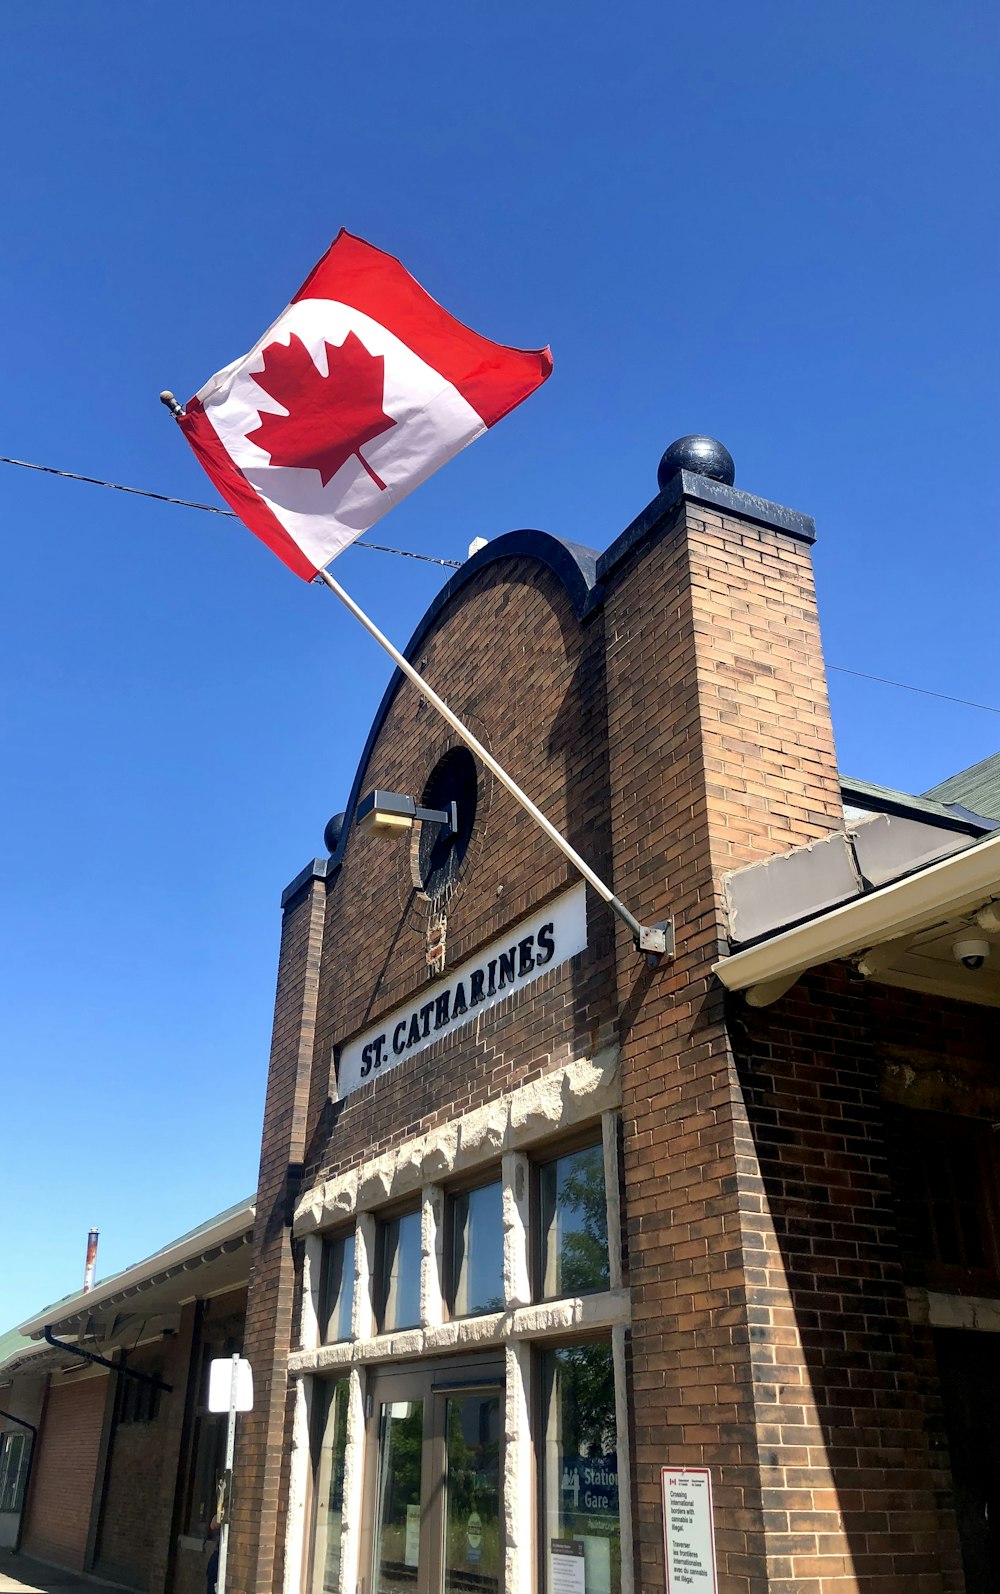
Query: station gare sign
column 550, row 937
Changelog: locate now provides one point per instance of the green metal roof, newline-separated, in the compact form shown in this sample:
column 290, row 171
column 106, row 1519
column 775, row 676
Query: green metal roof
column 977, row 787
column 931, row 807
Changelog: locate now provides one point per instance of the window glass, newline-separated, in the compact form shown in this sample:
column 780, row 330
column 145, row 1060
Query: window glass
column 472, row 1539
column 580, row 1521
column 574, row 1224
column 330, row 1488
column 477, row 1251
column 13, row 1470
column 399, row 1273
column 337, row 1289
column 208, row 1448
column 396, row 1559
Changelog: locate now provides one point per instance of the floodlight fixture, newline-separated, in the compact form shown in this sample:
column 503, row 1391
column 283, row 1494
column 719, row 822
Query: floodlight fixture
column 385, row 813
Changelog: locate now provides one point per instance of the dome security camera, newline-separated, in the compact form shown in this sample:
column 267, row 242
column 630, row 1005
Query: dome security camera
column 971, row 951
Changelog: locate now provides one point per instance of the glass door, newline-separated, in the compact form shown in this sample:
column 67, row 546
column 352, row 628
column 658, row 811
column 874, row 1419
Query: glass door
column 472, row 1552
column 433, row 1520
column 399, row 1504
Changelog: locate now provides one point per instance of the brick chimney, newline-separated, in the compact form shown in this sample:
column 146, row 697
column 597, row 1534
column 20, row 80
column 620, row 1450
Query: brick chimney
column 721, row 752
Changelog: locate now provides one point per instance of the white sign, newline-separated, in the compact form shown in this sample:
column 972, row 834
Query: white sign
column 411, row 1545
column 688, row 1530
column 220, row 1378
column 538, row 944
column 569, row 1574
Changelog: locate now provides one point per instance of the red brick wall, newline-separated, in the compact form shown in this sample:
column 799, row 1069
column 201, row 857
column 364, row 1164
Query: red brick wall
column 854, row 1465
column 65, row 1472
column 133, row 1525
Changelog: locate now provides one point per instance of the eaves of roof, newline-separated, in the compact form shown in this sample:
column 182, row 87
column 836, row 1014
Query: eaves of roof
column 955, row 885
column 207, row 1238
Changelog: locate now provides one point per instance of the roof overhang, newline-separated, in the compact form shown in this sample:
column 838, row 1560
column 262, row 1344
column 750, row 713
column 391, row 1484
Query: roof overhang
column 163, row 1280
column 935, row 897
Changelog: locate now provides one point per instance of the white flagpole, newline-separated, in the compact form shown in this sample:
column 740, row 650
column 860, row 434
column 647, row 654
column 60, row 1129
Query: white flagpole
column 651, row 939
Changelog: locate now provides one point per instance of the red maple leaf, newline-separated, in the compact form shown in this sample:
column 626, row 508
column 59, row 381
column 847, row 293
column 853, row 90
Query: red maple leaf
column 329, row 417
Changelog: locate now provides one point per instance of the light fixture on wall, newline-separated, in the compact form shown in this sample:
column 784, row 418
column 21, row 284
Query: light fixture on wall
column 386, row 812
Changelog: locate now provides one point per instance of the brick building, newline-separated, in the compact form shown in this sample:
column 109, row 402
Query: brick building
column 551, row 1236
column 109, row 1457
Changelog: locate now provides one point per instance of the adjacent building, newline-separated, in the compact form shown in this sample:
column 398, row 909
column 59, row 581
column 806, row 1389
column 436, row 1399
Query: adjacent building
column 109, row 1456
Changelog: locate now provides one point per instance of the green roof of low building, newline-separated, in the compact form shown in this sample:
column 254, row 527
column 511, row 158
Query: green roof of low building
column 977, row 787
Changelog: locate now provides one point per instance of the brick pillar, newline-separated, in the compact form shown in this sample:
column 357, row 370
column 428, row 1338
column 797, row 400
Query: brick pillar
column 721, row 751
column 255, row 1545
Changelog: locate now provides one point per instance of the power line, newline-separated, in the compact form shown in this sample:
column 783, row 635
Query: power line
column 208, row 509
column 905, row 686
column 449, row 564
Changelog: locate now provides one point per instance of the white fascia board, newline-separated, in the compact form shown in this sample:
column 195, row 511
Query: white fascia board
column 953, row 886
column 183, row 1250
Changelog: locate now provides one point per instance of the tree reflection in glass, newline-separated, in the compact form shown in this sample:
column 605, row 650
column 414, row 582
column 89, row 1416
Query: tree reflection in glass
column 396, row 1558
column 473, row 1557
column 477, row 1251
column 330, row 1487
column 580, row 1473
column 574, row 1224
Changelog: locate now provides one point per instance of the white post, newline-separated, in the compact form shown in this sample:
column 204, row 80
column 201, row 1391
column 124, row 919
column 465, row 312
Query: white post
column 647, row 938
column 230, row 1452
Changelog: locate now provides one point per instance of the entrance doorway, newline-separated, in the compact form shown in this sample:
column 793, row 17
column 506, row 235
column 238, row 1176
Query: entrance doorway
column 969, row 1369
column 433, row 1478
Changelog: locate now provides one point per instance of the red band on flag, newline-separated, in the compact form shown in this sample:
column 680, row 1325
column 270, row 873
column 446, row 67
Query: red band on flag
column 490, row 376
column 239, row 495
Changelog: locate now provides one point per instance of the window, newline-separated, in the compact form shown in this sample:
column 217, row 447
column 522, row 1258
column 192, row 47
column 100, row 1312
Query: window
column 474, row 1238
column 573, row 1225
column 946, row 1181
column 337, row 1289
column 208, row 1445
column 580, row 1518
column 332, row 1436
column 14, row 1453
column 138, row 1401
column 397, row 1302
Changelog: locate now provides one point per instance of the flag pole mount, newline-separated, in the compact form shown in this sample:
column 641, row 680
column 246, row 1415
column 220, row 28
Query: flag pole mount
column 167, row 398
column 653, row 940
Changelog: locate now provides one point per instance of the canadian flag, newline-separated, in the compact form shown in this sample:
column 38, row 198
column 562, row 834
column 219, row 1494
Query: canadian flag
column 360, row 390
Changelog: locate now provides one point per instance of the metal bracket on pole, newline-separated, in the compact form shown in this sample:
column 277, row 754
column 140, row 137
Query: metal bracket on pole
column 656, row 940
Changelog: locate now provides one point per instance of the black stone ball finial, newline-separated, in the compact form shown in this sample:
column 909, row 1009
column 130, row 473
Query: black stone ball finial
column 331, row 835
column 705, row 456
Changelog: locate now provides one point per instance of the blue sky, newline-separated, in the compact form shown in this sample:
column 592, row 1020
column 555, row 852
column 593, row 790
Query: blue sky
column 776, row 223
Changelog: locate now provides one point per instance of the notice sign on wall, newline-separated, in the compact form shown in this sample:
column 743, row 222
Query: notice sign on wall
column 567, row 1561
column 688, row 1530
column 550, row 937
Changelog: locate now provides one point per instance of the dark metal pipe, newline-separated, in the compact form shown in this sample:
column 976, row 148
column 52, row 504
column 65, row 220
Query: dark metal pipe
column 102, row 1361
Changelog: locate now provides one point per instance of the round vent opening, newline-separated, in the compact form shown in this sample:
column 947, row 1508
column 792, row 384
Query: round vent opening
column 440, row 852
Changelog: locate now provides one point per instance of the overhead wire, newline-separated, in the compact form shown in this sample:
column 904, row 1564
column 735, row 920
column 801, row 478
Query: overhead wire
column 448, row 564
column 208, row 509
